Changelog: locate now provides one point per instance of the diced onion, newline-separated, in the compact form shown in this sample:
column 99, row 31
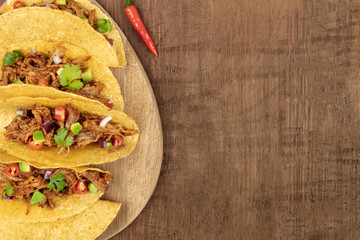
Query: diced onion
column 59, row 71
column 20, row 112
column 105, row 121
column 33, row 50
column 47, row 174
column 6, row 197
column 47, row 6
column 102, row 142
column 28, row 113
column 111, row 41
column 48, row 126
column 56, row 59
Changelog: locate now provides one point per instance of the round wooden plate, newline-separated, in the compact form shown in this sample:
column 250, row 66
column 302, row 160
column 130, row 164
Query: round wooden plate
column 135, row 176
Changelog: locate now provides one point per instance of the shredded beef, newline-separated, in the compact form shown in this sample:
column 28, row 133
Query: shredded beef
column 73, row 115
column 24, row 185
column 37, row 69
column 21, row 128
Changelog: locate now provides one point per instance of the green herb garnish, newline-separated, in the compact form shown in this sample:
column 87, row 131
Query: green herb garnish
column 17, row 54
column 10, row 58
column 17, row 81
column 104, row 25
column 9, row 189
column 37, row 197
column 61, row 139
column 70, row 76
column 58, row 180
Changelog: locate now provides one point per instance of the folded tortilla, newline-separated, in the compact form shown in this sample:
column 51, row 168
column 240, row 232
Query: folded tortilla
column 66, row 206
column 100, row 73
column 86, row 225
column 91, row 154
column 40, row 23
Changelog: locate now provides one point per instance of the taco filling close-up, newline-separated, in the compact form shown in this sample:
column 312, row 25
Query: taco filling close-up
column 40, row 186
column 65, row 127
column 56, row 71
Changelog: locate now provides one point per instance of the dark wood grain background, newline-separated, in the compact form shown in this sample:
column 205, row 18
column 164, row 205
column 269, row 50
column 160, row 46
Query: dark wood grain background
column 259, row 103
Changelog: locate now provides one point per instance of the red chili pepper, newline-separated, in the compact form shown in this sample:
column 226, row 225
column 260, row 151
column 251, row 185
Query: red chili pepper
column 133, row 15
column 81, row 187
column 33, row 146
column 18, row 4
column 12, row 170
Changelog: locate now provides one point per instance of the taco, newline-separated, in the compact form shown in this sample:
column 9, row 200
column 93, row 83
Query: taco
column 41, row 23
column 65, row 132
column 86, row 225
column 30, row 194
column 56, row 70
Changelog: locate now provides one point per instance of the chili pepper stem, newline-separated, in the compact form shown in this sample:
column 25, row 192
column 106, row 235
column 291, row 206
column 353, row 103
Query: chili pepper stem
column 127, row 3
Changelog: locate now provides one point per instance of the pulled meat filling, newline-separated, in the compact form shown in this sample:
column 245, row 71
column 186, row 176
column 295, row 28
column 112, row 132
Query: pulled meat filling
column 38, row 69
column 26, row 183
column 71, row 7
column 22, row 128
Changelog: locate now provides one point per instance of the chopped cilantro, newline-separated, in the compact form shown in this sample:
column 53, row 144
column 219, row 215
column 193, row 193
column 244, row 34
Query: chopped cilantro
column 37, row 197
column 9, row 189
column 69, row 77
column 104, row 25
column 58, row 180
column 10, row 58
column 75, row 85
column 61, row 139
column 17, row 54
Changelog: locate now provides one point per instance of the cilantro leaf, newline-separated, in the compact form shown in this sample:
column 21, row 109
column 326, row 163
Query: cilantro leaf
column 37, row 197
column 107, row 25
column 59, row 181
column 69, row 74
column 104, row 25
column 102, row 30
column 69, row 141
column 60, row 138
column 17, row 54
column 9, row 59
column 75, row 85
column 9, row 189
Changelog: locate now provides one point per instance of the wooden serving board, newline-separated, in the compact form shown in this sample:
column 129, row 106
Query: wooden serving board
column 135, row 176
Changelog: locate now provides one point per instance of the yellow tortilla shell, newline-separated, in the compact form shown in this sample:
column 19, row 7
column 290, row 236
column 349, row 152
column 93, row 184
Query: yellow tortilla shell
column 86, row 225
column 67, row 206
column 100, row 72
column 99, row 14
column 91, row 154
column 40, row 23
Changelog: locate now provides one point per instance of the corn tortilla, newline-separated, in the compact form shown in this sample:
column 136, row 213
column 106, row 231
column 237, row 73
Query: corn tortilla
column 100, row 73
column 91, row 154
column 86, row 225
column 40, row 23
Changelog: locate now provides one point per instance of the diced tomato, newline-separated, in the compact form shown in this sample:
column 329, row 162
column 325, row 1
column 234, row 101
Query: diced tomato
column 117, row 142
column 43, row 82
column 33, row 146
column 12, row 170
column 81, row 187
column 60, row 113
column 18, row 4
column 109, row 104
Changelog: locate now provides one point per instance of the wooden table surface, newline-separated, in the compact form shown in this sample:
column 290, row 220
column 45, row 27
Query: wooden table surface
column 259, row 103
